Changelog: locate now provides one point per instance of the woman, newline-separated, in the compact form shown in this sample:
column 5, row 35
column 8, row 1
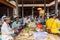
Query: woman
column 52, row 24
column 16, row 25
column 31, row 24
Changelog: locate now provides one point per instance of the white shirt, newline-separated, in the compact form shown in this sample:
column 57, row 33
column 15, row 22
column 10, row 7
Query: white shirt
column 24, row 21
column 28, row 20
column 6, row 31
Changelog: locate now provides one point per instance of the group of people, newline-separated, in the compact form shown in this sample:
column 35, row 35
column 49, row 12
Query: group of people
column 11, row 28
column 8, row 31
column 33, row 22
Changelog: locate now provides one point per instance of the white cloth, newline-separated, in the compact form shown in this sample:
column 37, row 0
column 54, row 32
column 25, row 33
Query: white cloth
column 3, row 18
column 58, row 20
column 24, row 20
column 40, row 35
column 28, row 20
column 6, row 31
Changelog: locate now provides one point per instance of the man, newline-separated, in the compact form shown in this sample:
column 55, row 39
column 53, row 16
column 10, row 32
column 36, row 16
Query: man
column 24, row 20
column 52, row 24
column 6, row 31
column 28, row 19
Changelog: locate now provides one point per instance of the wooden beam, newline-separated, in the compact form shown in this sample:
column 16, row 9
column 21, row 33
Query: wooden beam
column 7, row 3
column 15, row 0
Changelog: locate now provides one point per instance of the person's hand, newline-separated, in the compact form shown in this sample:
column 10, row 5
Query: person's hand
column 14, row 29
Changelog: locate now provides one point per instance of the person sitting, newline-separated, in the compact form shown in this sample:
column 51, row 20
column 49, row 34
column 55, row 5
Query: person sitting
column 52, row 25
column 31, row 24
column 16, row 25
column 6, row 31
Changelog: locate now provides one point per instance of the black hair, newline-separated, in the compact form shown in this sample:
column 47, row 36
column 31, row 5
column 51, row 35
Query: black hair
column 16, row 18
column 51, row 17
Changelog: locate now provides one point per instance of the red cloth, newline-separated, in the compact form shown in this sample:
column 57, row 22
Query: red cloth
column 20, row 29
column 39, row 26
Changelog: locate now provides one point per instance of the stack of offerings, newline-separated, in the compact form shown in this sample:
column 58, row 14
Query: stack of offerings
column 29, row 34
column 25, row 34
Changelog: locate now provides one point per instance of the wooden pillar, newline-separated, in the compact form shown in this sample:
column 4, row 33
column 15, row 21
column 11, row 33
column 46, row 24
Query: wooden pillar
column 17, row 8
column 7, row 11
column 44, row 6
column 48, row 12
column 56, row 7
column 22, row 10
column 45, row 10
column 32, row 11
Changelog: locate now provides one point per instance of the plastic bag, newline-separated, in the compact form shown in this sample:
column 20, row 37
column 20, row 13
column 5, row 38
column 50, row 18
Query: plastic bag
column 40, row 35
column 40, row 26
